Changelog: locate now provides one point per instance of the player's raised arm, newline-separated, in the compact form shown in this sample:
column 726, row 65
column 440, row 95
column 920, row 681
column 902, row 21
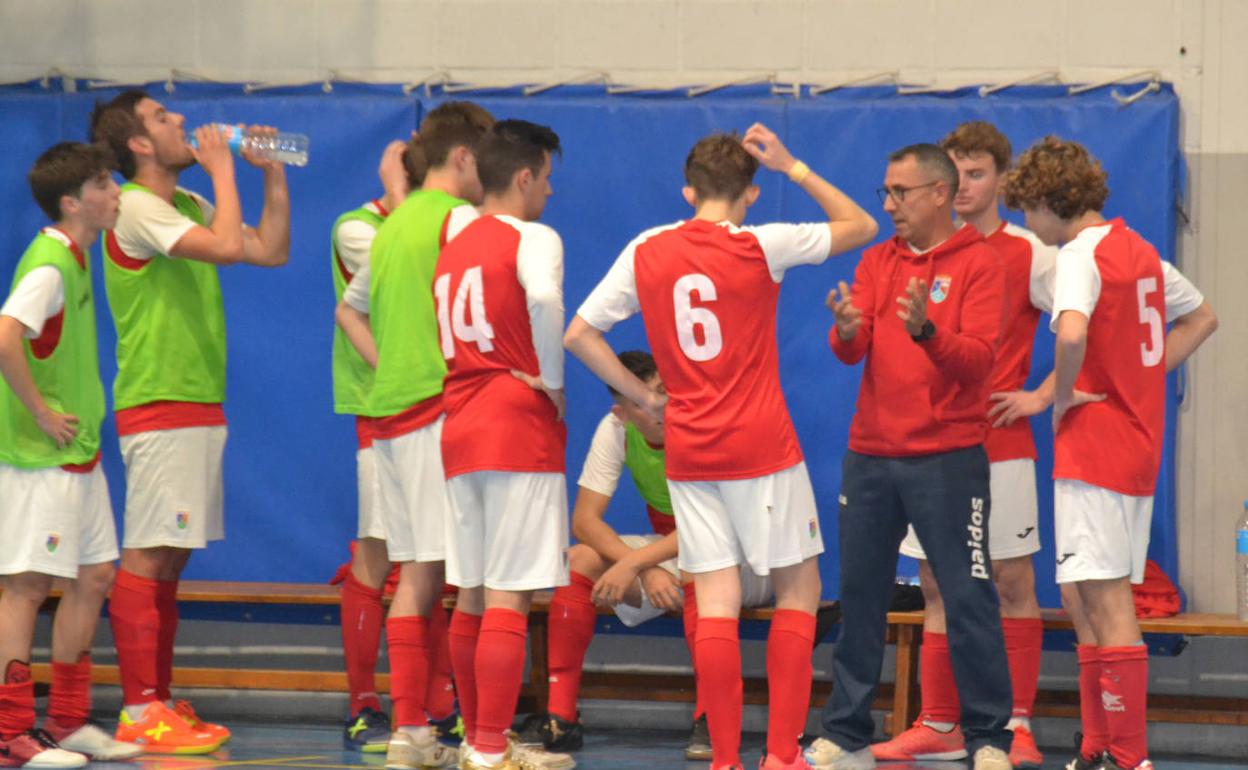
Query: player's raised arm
column 268, row 244
column 850, row 224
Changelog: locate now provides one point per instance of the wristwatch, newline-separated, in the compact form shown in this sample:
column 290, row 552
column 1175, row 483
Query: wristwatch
column 929, row 331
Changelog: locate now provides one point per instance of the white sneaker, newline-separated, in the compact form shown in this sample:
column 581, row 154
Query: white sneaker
column 991, row 758
column 36, row 749
column 537, row 758
column 98, row 745
column 823, row 754
column 406, row 752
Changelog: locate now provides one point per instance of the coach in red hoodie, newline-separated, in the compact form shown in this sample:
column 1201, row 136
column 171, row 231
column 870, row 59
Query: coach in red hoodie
column 926, row 313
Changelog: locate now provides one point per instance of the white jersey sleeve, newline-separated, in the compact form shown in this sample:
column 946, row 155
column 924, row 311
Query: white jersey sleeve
column 352, row 240
column 539, row 269
column 604, row 462
column 1078, row 281
column 37, row 297
column 1182, row 297
column 459, row 218
column 1043, row 274
column 615, row 297
column 789, row 245
column 356, row 293
column 148, row 226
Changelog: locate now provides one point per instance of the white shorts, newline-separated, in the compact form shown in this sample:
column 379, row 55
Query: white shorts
column 766, row 522
column 756, row 590
column 174, row 487
column 52, row 521
column 1099, row 534
column 508, row 531
column 413, row 501
column 372, row 523
column 1013, row 524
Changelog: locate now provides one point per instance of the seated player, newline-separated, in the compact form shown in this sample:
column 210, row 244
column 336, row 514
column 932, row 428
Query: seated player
column 1113, row 298
column 634, row 574
column 55, row 517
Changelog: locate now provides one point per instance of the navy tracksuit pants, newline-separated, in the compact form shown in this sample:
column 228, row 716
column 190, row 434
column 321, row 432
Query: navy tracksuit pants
column 945, row 497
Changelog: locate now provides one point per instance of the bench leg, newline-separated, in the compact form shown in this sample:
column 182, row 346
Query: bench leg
column 906, row 685
column 539, row 667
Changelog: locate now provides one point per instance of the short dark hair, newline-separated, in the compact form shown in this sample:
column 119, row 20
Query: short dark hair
column 933, row 159
column 62, row 170
column 719, row 168
column 1060, row 174
column 510, row 146
column 114, row 123
column 640, row 363
column 447, row 126
column 979, row 136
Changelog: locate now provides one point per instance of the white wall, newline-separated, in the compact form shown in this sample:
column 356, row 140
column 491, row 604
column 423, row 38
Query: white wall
column 1197, row 44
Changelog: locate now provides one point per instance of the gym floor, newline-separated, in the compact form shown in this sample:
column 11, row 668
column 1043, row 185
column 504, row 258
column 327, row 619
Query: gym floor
column 259, row 745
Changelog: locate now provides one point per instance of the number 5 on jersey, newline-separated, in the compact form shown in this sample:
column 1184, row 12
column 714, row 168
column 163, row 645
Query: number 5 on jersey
column 690, row 318
column 465, row 318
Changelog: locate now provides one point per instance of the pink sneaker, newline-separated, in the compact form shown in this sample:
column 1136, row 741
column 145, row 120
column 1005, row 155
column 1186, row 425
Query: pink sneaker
column 922, row 742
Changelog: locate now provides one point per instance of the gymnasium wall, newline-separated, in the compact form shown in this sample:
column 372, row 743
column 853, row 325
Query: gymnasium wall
column 290, row 481
column 1195, row 44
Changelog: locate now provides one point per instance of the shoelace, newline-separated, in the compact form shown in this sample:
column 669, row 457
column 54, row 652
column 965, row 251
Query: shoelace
column 43, row 738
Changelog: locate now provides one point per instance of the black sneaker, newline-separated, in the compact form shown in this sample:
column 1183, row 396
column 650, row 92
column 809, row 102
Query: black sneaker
column 560, row 735
column 1080, row 762
column 699, row 746
column 530, row 731
column 1109, row 763
column 450, row 730
column 368, row 731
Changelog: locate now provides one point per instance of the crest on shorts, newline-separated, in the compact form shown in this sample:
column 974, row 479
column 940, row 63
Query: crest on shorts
column 183, row 518
column 814, row 528
column 54, row 540
column 940, row 288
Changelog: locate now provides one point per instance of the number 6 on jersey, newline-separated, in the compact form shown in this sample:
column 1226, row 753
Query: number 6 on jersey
column 470, row 302
column 689, row 318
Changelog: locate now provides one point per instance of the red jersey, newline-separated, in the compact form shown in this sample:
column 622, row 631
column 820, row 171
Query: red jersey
column 498, row 287
column 1028, row 266
column 920, row 398
column 707, row 293
column 1117, row 280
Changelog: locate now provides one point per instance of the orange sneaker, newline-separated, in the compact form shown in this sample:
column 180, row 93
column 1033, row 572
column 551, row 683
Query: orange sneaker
column 1023, row 752
column 161, row 731
column 185, row 710
column 921, row 742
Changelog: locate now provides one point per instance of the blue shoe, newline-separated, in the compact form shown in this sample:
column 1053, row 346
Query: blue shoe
column 450, row 730
column 368, row 731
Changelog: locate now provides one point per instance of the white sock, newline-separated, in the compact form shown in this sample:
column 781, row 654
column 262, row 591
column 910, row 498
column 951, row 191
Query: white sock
column 489, row 760
column 940, row 727
column 1022, row 722
column 422, row 734
column 135, row 711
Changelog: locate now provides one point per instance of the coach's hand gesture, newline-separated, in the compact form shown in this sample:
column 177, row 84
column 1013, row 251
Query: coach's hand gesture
column 848, row 318
column 913, row 312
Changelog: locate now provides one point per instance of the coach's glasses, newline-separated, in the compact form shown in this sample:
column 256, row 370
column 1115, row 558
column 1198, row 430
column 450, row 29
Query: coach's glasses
column 898, row 194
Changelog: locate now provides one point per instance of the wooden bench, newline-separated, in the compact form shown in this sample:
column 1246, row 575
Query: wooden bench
column 604, row 685
column 905, row 629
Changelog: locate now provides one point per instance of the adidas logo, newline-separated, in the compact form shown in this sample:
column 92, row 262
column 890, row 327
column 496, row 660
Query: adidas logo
column 979, row 566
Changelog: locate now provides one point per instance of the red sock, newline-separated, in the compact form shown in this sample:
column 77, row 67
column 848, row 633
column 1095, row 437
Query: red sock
column 500, row 669
column 408, row 640
column 362, row 616
column 790, row 645
column 133, row 610
column 69, row 699
column 572, row 618
column 1091, row 708
column 167, row 606
column 938, row 693
column 1024, row 640
column 17, row 700
column 462, row 636
column 719, row 677
column 1124, row 690
column 440, row 695
column 691, row 637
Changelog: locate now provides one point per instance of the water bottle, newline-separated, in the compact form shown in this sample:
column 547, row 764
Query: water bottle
column 1241, row 565
column 283, row 147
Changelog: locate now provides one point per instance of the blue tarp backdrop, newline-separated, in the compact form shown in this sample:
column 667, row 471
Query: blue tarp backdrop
column 289, row 468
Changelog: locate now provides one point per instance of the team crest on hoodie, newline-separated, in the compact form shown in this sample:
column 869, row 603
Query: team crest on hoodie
column 940, row 288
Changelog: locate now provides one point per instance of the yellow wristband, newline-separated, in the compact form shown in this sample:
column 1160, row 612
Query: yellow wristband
column 799, row 171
